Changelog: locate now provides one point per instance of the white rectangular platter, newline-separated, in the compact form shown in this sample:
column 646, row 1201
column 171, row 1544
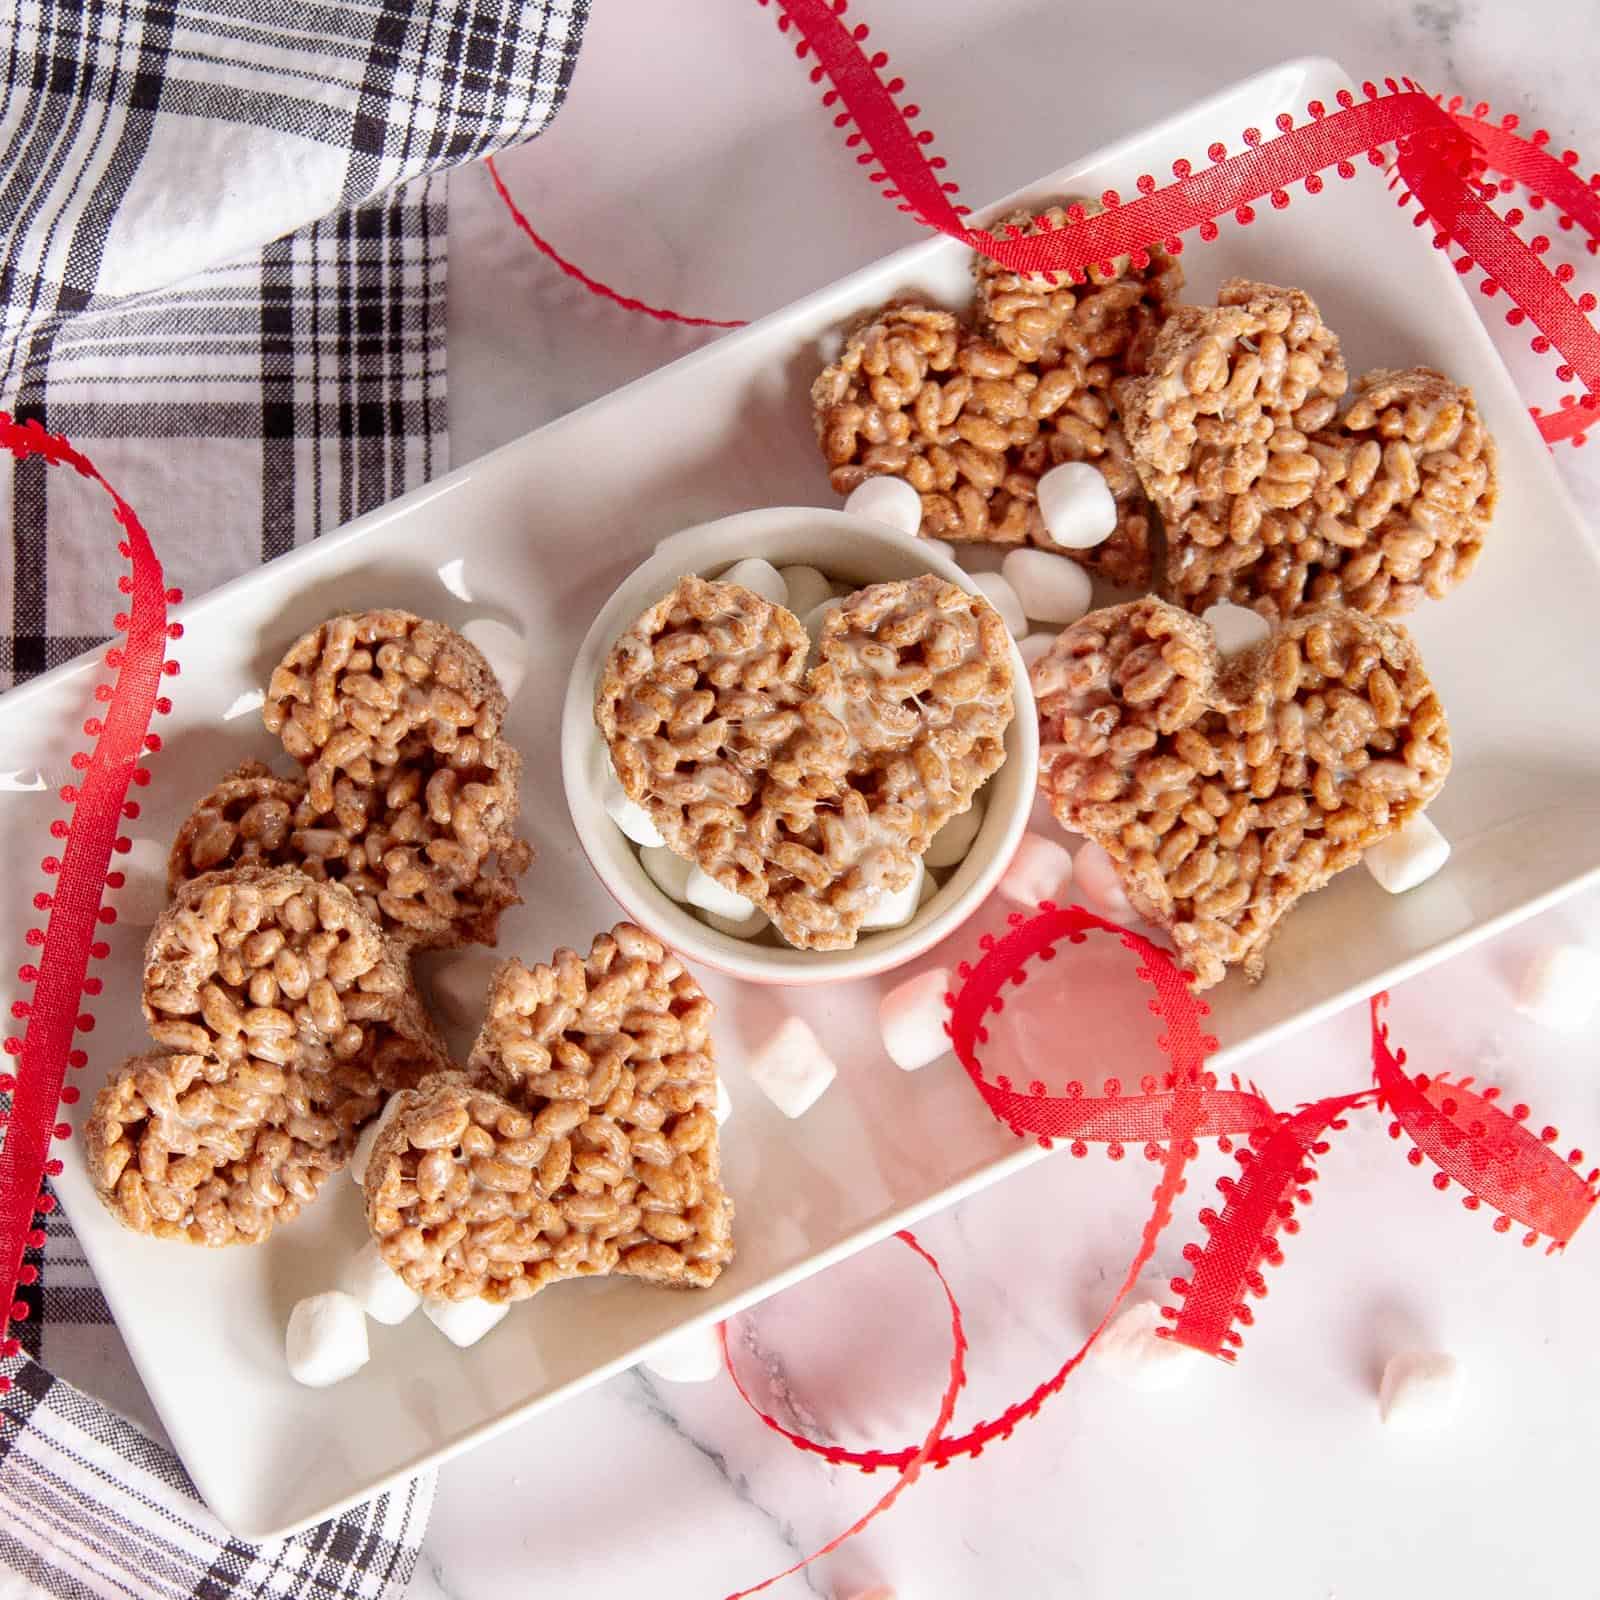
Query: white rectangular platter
column 544, row 529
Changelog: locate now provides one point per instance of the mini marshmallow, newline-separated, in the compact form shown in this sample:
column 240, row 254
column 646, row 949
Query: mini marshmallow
column 1100, row 889
column 1051, row 588
column 760, row 577
column 952, row 842
column 1560, row 987
column 503, row 648
column 737, row 927
column 453, row 575
column 1420, row 1389
column 464, row 1322
column 724, row 1107
column 791, row 1068
column 1236, row 628
column 814, row 619
column 362, row 1153
column 326, row 1340
column 891, row 501
column 1076, row 506
column 459, row 984
column 1040, row 870
column 1033, row 646
column 897, row 907
column 1409, row 857
column 1130, row 1351
column 629, row 815
column 704, row 891
column 693, row 1357
column 243, row 704
column 807, row 588
column 143, row 895
column 382, row 1293
column 668, row 872
column 911, row 1018
column 999, row 593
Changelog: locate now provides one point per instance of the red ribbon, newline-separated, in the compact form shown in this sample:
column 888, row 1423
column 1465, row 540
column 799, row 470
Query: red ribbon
column 68, row 940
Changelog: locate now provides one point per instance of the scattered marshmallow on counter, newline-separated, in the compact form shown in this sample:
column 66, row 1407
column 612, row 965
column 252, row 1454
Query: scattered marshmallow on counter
column 791, row 1068
column 1040, row 870
column 668, row 872
column 1051, row 588
column 1033, row 646
column 362, row 1153
column 737, row 927
column 629, row 815
column 807, row 588
column 888, row 500
column 1560, row 987
column 815, row 618
column 1076, row 506
column 143, row 895
column 897, row 907
column 702, row 890
column 1407, row 858
column 458, row 984
column 724, row 1108
column 911, row 1018
column 1237, row 628
column 759, row 577
column 952, row 842
column 464, row 1322
column 503, row 648
column 1095, row 874
column 693, row 1357
column 326, row 1340
column 1133, row 1354
column 1420, row 1389
column 999, row 593
column 380, row 1291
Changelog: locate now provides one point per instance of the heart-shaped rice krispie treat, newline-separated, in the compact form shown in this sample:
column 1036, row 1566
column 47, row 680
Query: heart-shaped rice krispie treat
column 193, row 1148
column 411, row 789
column 1270, row 498
column 264, row 964
column 808, row 794
column 584, row 1142
column 255, row 818
column 1225, row 792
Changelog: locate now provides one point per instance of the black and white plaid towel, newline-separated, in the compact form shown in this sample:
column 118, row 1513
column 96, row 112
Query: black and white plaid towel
column 222, row 268
column 222, row 274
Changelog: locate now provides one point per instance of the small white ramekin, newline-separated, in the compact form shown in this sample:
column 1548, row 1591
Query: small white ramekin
column 848, row 549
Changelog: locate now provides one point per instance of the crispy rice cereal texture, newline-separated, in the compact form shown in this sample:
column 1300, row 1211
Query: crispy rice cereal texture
column 194, row 1148
column 266, row 965
column 809, row 795
column 1271, row 499
column 971, row 419
column 411, row 792
column 1225, row 793
column 584, row 1143
column 245, row 821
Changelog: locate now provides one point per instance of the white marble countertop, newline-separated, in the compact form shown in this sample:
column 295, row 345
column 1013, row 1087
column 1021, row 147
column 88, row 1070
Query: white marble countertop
column 693, row 167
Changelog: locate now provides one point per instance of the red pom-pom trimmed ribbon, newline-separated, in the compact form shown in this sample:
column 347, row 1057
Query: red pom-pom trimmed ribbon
column 79, row 871
column 1472, row 1142
column 1439, row 154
